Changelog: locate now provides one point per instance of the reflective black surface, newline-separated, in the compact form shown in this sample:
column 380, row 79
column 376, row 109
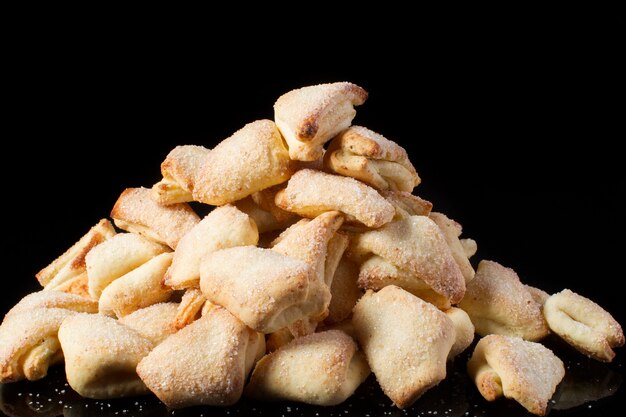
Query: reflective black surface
column 589, row 388
column 515, row 124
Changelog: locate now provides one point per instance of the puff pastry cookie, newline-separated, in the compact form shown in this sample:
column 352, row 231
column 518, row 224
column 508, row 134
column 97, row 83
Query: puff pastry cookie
column 308, row 194
column 116, row 257
column 525, row 371
column 321, row 368
column 206, row 363
column 583, row 324
column 252, row 159
column 416, row 246
column 497, row 302
column 71, row 265
column 29, row 343
column 136, row 211
column 376, row 273
column 179, row 174
column 222, row 228
column 263, row 288
column 406, row 342
column 370, row 157
column 28, row 334
column 310, row 116
column 314, row 242
column 141, row 287
column 101, row 355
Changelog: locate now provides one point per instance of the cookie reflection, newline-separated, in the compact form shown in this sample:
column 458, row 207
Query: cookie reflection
column 585, row 382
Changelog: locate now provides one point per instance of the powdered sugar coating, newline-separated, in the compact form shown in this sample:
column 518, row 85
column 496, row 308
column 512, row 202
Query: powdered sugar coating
column 206, row 363
column 136, row 211
column 322, row 368
column 310, row 116
column 497, row 302
column 310, row 193
column 252, row 159
column 416, row 245
column 527, row 372
column 406, row 342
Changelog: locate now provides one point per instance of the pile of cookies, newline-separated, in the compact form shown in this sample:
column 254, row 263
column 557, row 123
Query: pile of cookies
column 316, row 267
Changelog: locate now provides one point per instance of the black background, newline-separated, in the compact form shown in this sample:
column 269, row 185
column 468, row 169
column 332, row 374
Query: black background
column 516, row 126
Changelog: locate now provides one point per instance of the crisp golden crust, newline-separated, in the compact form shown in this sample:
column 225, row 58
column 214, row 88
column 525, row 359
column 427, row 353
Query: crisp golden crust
column 321, row 368
column 310, row 241
column 310, row 116
column 583, row 324
column 79, row 285
column 135, row 211
column 407, row 204
column 497, row 302
column 261, row 287
column 206, row 363
column 155, row 322
column 417, row 246
column 28, row 334
column 464, row 330
column 29, row 343
column 179, row 170
column 53, row 299
column 190, row 307
column 101, row 355
column 252, row 159
column 72, row 263
column 224, row 227
column 307, row 194
column 451, row 231
column 406, row 342
column 370, row 157
column 344, row 291
column 116, row 257
column 141, row 287
column 376, row 273
column 525, row 371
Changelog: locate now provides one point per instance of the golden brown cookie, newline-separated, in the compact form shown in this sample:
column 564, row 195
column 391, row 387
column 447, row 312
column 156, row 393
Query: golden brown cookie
column 497, row 302
column 583, row 324
column 360, row 153
column 515, row 368
column 310, row 193
column 310, row 116
column 206, row 363
column 252, row 159
column 179, row 172
column 406, row 342
column 321, row 368
column 135, row 211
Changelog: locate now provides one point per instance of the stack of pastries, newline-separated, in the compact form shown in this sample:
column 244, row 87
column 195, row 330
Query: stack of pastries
column 317, row 266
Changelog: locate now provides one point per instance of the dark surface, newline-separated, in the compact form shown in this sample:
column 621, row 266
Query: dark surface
column 590, row 388
column 516, row 129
